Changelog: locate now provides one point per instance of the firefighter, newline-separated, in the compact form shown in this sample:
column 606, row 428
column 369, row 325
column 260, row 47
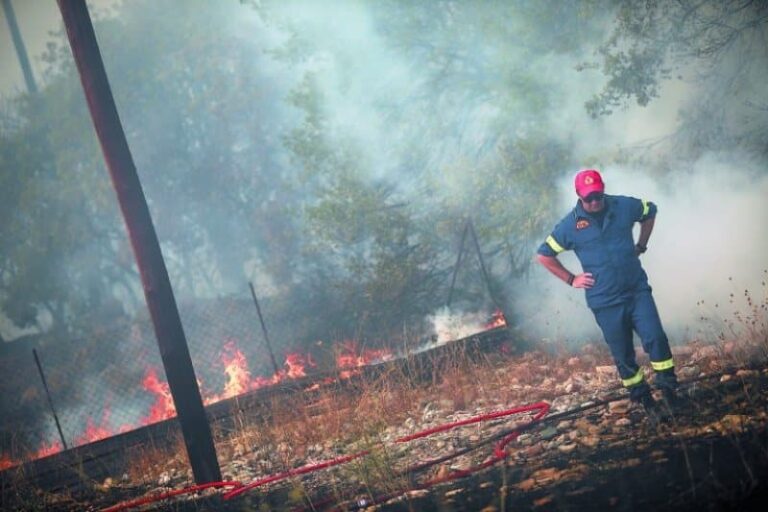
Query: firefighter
column 599, row 230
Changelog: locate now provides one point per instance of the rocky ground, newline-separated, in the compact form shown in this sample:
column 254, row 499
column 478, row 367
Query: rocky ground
column 594, row 450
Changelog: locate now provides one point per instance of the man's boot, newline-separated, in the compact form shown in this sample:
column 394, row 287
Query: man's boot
column 655, row 414
column 672, row 400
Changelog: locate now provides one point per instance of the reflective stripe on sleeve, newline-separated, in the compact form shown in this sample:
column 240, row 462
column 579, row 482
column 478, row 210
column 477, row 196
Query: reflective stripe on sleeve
column 633, row 381
column 663, row 365
column 646, row 207
column 554, row 245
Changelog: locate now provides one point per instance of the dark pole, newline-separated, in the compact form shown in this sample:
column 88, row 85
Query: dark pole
column 458, row 263
column 154, row 276
column 18, row 43
column 482, row 263
column 263, row 327
column 50, row 402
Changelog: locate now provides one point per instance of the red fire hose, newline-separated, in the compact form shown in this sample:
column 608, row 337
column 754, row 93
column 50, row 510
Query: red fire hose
column 499, row 453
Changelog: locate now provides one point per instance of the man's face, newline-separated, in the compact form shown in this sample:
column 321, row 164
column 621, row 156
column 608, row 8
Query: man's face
column 593, row 203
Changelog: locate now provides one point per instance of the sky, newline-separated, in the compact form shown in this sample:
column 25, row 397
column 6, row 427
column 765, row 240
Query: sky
column 35, row 18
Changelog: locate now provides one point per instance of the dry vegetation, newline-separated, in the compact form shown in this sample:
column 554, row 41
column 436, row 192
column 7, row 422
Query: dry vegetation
column 370, row 414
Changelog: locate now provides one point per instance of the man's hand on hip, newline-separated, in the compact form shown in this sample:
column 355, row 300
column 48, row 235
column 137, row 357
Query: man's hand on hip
column 584, row 280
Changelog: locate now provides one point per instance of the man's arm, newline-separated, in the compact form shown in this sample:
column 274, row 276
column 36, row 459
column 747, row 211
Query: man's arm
column 553, row 264
column 646, row 228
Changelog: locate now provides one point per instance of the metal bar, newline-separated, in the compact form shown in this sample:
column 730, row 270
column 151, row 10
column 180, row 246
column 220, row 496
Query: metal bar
column 149, row 259
column 21, row 50
column 458, row 263
column 482, row 264
column 263, row 328
column 50, row 401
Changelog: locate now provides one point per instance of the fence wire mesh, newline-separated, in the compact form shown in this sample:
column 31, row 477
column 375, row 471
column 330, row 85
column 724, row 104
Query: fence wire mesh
column 112, row 380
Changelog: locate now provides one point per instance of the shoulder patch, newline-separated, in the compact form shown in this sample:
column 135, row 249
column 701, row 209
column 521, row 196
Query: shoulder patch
column 582, row 223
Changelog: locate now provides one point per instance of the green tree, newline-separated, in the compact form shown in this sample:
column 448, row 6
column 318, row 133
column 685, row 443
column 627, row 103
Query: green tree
column 718, row 47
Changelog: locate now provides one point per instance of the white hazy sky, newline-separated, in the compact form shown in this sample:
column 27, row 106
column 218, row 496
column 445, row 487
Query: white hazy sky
column 35, row 18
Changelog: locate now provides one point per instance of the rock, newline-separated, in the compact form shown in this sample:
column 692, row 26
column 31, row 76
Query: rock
column 725, row 378
column 623, row 422
column 564, row 425
column 165, row 479
column 682, row 350
column 546, row 500
column 527, row 485
column 688, row 372
column 747, row 373
column 619, row 406
column 525, row 439
column 574, row 361
column 606, row 372
column 548, row 433
column 454, row 492
column 546, row 475
column 567, row 448
column 590, row 440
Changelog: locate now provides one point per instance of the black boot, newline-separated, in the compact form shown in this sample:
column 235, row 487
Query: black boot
column 672, row 400
column 655, row 414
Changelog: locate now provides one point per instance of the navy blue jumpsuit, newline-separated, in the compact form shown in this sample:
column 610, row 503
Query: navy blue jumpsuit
column 621, row 298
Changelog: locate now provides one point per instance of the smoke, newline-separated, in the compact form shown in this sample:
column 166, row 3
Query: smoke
column 707, row 248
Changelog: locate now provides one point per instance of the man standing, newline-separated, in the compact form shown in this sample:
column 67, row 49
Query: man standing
column 599, row 230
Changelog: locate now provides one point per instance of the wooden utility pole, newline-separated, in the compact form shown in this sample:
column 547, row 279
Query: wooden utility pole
column 146, row 248
column 18, row 43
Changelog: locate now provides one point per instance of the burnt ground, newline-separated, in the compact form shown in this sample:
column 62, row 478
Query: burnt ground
column 712, row 455
column 593, row 451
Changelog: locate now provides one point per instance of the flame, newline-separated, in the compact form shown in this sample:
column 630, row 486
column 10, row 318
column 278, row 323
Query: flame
column 7, row 462
column 163, row 407
column 236, row 369
column 48, row 449
column 497, row 320
column 95, row 432
column 296, row 365
column 350, row 358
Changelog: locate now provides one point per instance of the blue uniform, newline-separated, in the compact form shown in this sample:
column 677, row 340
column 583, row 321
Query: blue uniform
column 621, row 297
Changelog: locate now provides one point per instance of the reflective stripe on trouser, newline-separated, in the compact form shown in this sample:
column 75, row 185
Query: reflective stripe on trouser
column 617, row 323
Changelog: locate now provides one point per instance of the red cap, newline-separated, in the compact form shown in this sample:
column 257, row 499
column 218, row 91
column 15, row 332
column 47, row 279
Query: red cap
column 588, row 181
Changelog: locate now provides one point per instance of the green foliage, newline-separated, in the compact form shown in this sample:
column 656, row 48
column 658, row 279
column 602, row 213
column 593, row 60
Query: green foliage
column 718, row 47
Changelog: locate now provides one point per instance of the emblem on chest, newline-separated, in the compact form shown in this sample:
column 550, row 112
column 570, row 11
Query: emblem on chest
column 582, row 224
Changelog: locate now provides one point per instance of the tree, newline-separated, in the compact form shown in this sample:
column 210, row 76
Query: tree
column 721, row 46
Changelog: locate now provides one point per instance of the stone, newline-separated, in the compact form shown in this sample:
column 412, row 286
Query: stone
column 619, row 406
column 525, row 439
column 548, row 433
column 527, row 485
column 567, row 448
column 688, row 372
column 165, row 479
column 623, row 422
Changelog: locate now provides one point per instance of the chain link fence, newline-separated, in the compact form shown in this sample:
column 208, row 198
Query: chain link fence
column 113, row 381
